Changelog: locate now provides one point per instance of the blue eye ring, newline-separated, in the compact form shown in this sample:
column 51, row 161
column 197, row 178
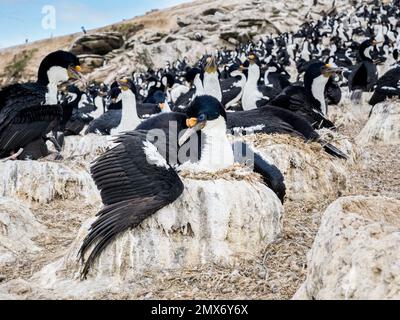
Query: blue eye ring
column 202, row 118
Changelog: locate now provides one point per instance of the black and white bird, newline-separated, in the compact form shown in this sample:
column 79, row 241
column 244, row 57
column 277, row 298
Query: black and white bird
column 309, row 101
column 137, row 177
column 29, row 111
column 255, row 95
column 211, row 84
column 275, row 120
column 364, row 76
column 388, row 86
column 232, row 89
column 122, row 114
column 109, row 119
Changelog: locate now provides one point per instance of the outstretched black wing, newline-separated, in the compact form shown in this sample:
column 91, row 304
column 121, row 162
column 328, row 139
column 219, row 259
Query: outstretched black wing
column 133, row 186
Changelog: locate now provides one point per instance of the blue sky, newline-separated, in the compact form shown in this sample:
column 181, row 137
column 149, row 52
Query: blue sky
column 22, row 19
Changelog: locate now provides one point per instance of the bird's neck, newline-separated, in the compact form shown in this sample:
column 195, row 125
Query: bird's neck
column 317, row 91
column 98, row 103
column 217, row 153
column 199, row 86
column 254, row 75
column 129, row 117
column 51, row 94
column 266, row 81
column 212, row 85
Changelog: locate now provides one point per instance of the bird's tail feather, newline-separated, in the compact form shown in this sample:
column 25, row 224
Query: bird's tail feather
column 332, row 150
column 271, row 175
column 113, row 220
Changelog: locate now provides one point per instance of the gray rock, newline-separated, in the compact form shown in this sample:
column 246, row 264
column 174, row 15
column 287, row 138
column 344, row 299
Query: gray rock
column 182, row 22
column 97, row 43
column 91, row 60
column 152, row 38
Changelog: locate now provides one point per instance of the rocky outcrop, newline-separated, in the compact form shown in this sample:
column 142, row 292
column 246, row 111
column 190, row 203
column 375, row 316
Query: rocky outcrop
column 205, row 225
column 383, row 125
column 356, row 252
column 18, row 227
column 204, row 27
column 97, row 43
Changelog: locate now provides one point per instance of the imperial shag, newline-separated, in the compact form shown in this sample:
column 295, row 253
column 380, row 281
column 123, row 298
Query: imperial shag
column 29, row 111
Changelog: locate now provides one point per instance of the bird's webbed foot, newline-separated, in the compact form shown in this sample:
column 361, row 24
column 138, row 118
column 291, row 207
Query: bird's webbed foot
column 13, row 156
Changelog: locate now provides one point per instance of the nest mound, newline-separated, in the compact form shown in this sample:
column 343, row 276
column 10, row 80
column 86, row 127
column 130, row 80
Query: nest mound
column 85, row 148
column 355, row 254
column 18, row 228
column 44, row 181
column 310, row 173
column 214, row 221
column 383, row 126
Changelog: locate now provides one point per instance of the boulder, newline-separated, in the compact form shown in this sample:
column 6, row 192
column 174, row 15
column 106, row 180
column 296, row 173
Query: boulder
column 183, row 22
column 42, row 181
column 18, row 227
column 91, row 61
column 153, row 37
column 383, row 125
column 205, row 225
column 97, row 43
column 356, row 252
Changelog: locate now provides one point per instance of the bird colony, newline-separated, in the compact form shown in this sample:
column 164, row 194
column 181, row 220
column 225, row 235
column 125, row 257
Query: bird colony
column 200, row 165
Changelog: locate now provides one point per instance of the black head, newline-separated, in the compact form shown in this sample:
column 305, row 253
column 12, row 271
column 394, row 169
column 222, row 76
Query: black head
column 191, row 74
column 159, row 97
column 253, row 58
column 205, row 108
column 73, row 89
column 114, row 85
column 127, row 84
column 114, row 93
column 319, row 68
column 62, row 59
